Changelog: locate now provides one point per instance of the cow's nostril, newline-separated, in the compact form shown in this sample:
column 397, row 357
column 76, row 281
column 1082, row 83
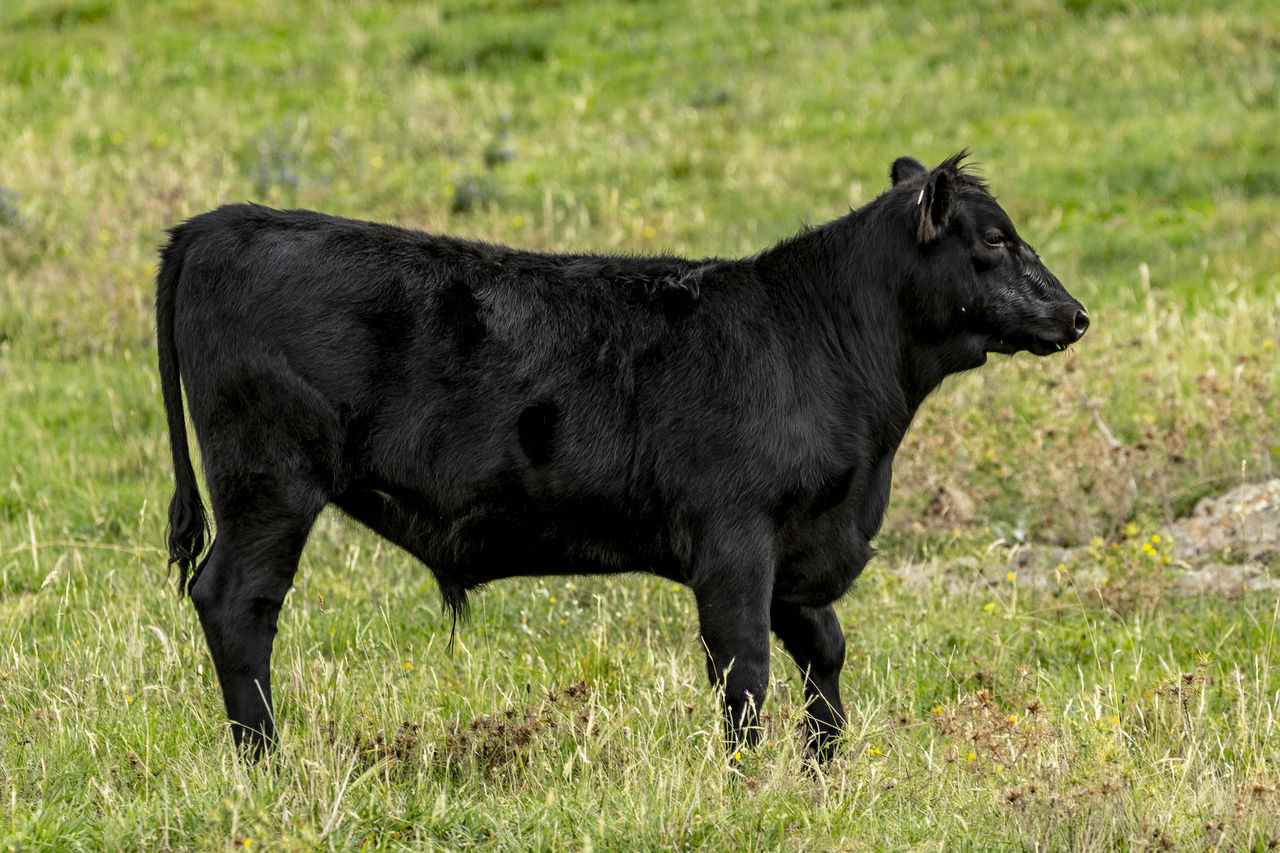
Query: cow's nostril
column 1081, row 322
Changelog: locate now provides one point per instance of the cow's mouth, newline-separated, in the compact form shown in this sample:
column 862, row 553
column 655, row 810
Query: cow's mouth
column 1034, row 345
column 1044, row 346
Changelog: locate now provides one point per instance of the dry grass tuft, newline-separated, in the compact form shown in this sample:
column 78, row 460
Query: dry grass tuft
column 988, row 736
column 1088, row 816
column 494, row 742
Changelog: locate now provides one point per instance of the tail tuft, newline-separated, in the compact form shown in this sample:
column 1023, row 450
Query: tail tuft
column 188, row 532
column 454, row 600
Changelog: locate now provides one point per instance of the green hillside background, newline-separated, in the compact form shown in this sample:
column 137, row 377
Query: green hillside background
column 1137, row 145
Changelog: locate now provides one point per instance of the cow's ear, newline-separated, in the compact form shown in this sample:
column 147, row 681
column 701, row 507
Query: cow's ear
column 905, row 168
column 934, row 204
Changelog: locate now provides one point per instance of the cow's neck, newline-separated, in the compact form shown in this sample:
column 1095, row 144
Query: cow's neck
column 837, row 284
column 853, row 268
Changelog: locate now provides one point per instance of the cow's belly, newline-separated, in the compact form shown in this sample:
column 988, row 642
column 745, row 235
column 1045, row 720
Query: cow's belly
column 490, row 537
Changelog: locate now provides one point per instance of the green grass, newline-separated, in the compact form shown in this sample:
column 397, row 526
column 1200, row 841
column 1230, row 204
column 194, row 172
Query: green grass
column 1135, row 144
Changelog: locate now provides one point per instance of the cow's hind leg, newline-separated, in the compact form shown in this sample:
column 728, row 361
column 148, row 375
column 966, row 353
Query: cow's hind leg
column 269, row 456
column 238, row 595
column 812, row 636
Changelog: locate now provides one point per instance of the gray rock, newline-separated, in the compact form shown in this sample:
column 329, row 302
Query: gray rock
column 1225, row 579
column 1239, row 526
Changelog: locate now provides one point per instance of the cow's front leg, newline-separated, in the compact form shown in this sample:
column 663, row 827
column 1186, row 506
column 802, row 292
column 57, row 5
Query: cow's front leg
column 812, row 636
column 733, row 586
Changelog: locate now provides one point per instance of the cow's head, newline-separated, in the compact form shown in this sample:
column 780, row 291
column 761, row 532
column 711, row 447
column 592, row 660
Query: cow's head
column 975, row 279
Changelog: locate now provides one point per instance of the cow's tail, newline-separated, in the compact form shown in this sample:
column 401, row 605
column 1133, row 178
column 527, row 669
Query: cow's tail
column 188, row 525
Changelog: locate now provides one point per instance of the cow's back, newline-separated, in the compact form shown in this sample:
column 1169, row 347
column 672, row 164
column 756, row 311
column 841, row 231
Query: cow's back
column 481, row 381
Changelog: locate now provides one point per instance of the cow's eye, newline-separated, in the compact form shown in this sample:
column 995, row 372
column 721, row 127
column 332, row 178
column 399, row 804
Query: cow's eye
column 993, row 239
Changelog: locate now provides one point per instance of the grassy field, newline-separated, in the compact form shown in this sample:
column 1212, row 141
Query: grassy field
column 1136, row 144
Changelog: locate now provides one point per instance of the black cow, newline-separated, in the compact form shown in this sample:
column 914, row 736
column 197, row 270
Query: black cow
column 727, row 424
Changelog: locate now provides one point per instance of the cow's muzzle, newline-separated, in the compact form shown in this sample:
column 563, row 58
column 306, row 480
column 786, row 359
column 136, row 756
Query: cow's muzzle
column 1049, row 334
column 1062, row 333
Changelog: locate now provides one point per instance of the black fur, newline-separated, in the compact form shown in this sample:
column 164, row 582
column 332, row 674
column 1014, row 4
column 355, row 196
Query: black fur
column 728, row 424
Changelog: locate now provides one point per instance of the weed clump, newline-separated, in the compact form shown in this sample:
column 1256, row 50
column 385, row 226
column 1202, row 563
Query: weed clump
column 398, row 748
column 493, row 742
column 1138, row 574
column 1087, row 816
column 987, row 736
